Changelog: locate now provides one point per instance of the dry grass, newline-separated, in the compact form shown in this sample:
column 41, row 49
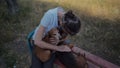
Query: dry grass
column 100, row 8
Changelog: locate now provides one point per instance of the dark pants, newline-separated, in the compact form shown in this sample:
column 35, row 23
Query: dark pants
column 36, row 63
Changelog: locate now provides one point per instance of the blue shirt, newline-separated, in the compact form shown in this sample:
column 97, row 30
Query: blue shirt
column 49, row 20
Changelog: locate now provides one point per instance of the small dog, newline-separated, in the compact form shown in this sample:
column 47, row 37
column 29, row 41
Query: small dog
column 45, row 54
column 69, row 59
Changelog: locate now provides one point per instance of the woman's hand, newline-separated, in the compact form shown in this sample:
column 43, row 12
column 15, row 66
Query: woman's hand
column 76, row 50
column 64, row 48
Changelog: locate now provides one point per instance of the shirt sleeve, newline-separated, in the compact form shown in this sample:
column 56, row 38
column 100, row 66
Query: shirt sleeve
column 45, row 21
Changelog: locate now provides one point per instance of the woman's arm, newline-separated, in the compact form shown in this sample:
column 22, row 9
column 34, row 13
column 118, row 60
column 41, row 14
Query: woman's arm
column 38, row 41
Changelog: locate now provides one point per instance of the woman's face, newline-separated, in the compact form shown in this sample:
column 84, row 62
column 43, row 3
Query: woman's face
column 62, row 24
column 66, row 29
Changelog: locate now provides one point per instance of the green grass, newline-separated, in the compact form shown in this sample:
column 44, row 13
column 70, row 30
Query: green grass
column 10, row 28
column 99, row 34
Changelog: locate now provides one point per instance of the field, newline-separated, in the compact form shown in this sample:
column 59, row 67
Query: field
column 99, row 34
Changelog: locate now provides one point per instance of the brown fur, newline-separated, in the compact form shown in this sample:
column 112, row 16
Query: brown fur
column 79, row 61
column 45, row 54
column 82, row 61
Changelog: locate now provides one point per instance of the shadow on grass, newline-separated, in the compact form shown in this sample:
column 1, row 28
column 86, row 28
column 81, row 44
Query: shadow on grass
column 10, row 27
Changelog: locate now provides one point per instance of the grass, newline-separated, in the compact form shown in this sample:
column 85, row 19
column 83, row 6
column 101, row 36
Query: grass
column 100, row 32
column 10, row 28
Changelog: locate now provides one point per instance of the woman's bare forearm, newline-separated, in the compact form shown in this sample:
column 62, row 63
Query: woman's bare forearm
column 45, row 45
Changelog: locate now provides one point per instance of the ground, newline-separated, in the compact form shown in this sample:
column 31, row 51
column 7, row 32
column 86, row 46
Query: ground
column 99, row 34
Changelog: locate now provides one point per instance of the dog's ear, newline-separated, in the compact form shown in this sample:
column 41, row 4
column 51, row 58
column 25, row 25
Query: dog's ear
column 49, row 34
column 52, row 32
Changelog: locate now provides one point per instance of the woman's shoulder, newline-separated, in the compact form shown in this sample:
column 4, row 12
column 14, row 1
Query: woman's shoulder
column 51, row 11
column 55, row 10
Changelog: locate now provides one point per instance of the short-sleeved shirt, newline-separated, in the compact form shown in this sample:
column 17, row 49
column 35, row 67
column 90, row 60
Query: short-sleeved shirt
column 49, row 20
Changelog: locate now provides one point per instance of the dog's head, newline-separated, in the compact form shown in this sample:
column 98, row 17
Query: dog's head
column 53, row 33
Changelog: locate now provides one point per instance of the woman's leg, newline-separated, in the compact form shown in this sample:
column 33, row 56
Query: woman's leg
column 67, row 58
column 49, row 63
column 36, row 63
